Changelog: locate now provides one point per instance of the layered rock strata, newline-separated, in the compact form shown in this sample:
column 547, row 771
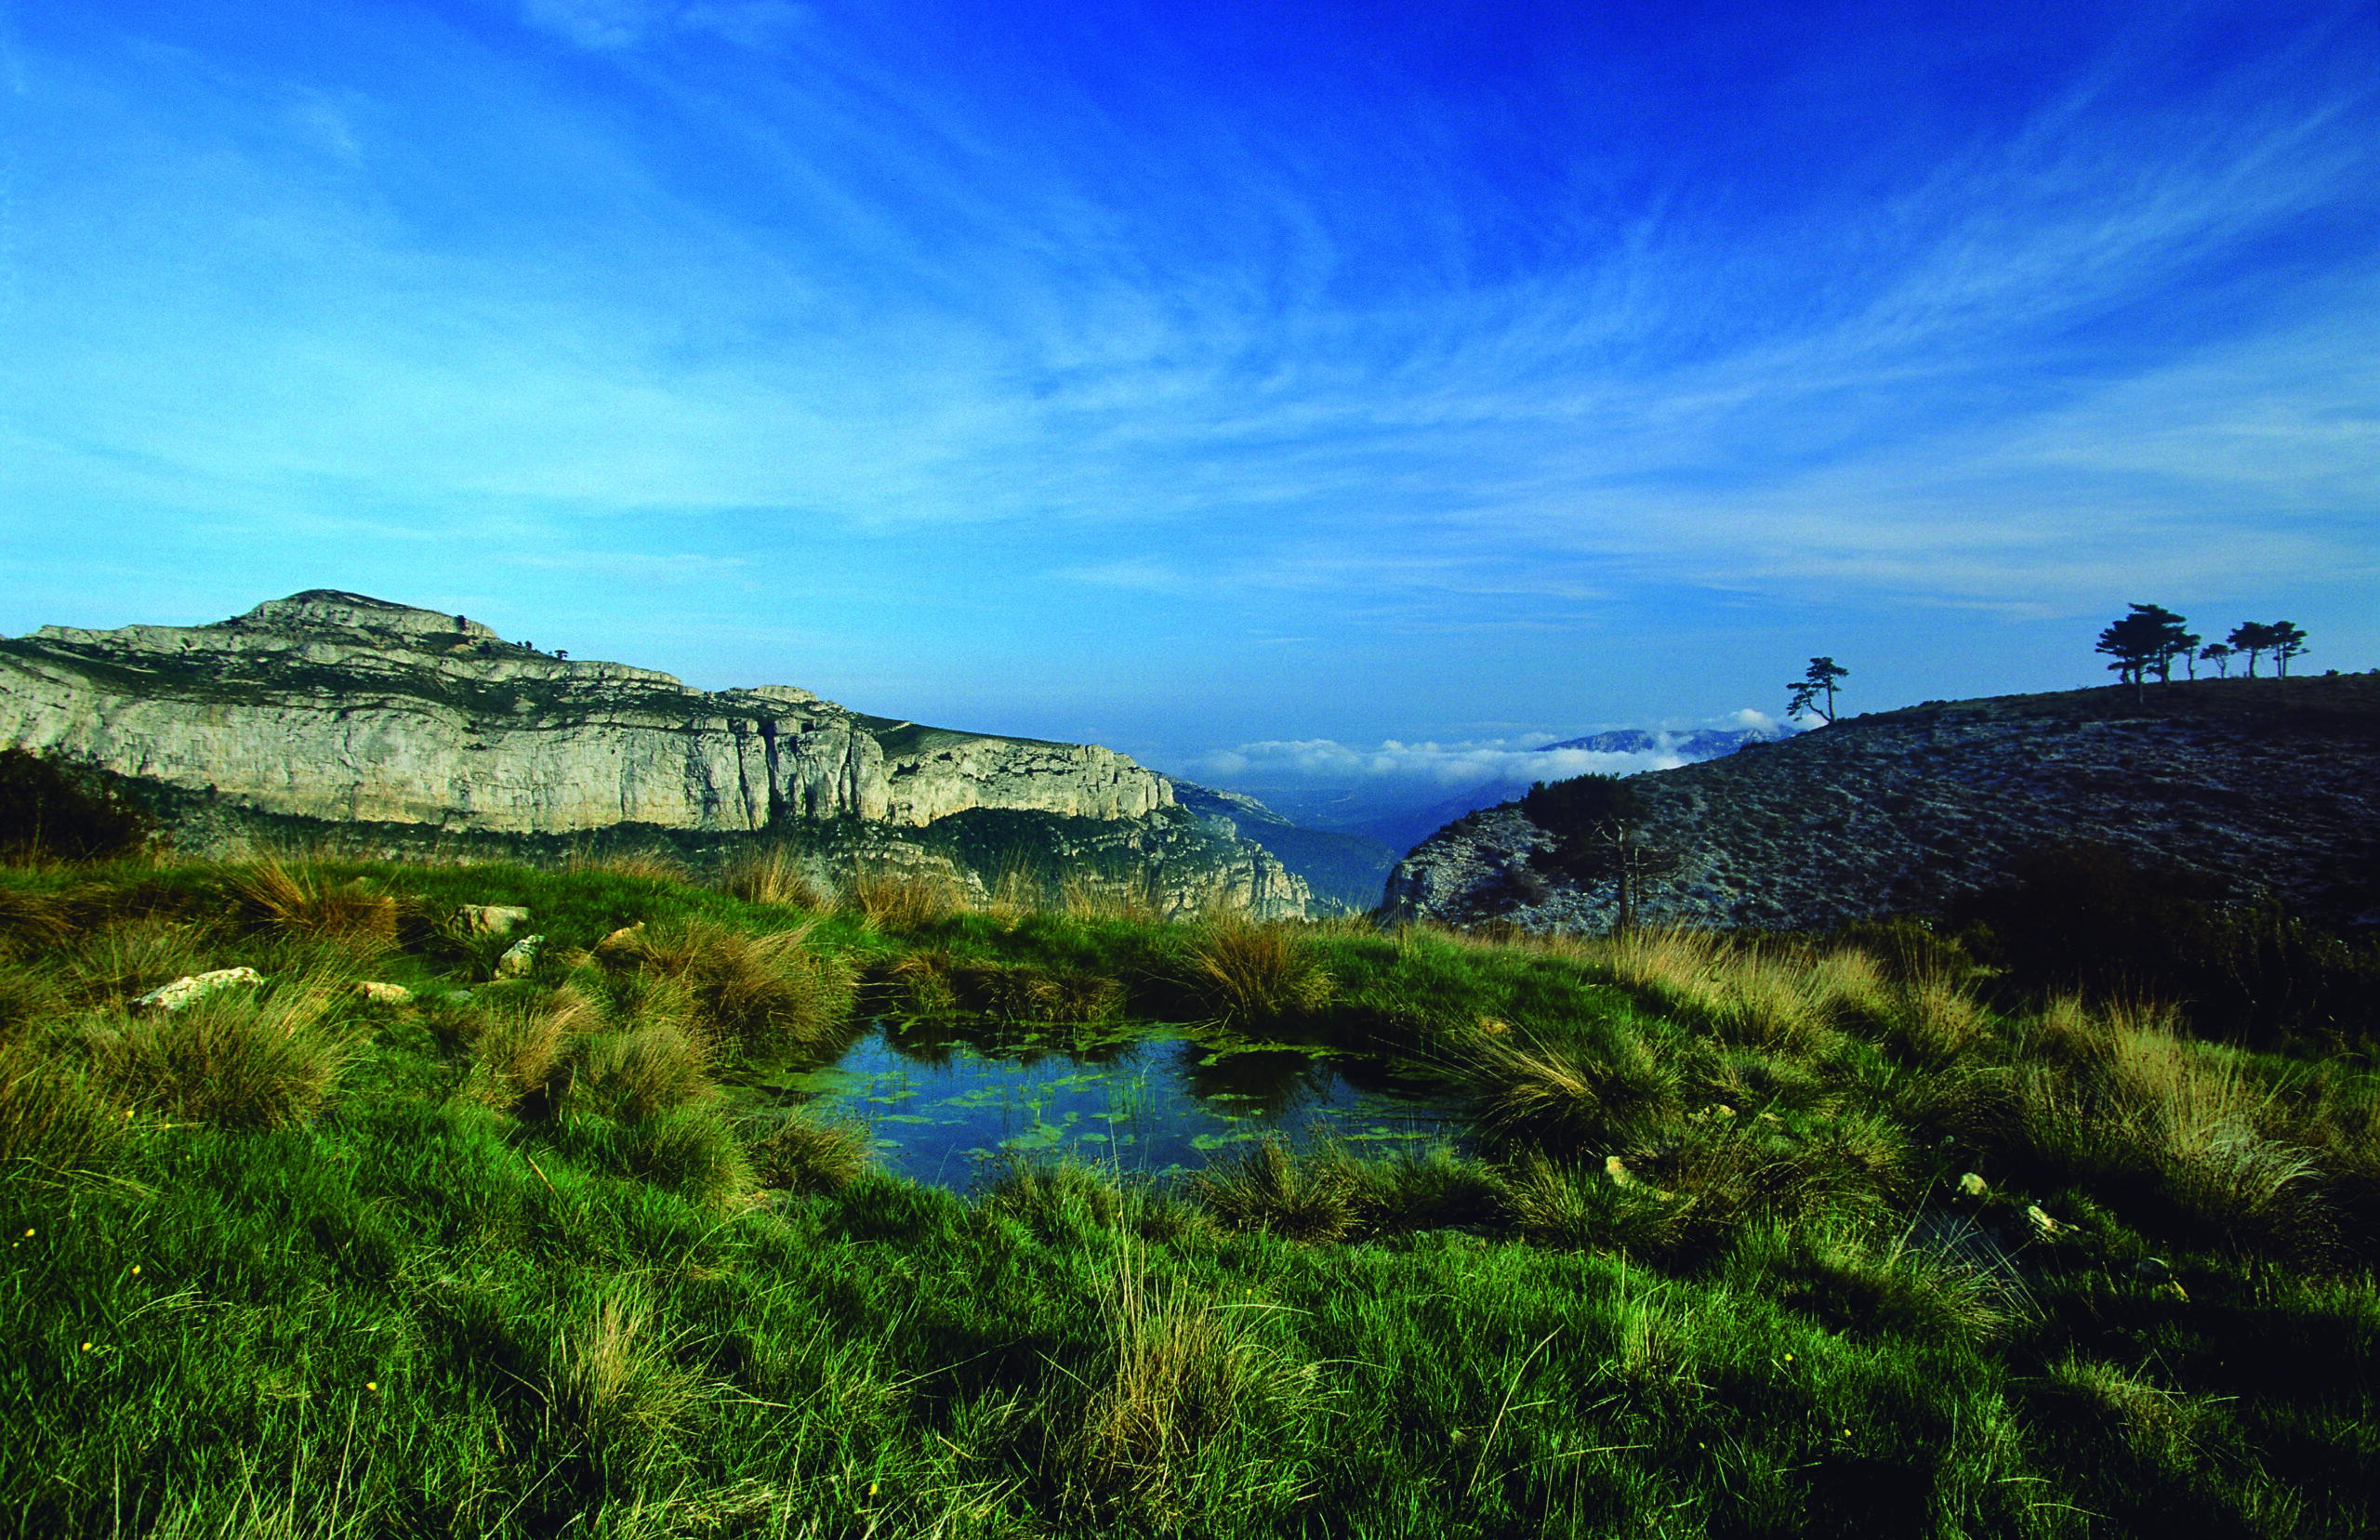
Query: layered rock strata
column 341, row 710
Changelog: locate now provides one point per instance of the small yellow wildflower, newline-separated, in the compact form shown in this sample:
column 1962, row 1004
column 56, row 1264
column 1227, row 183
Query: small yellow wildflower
column 136, row 1269
column 29, row 1234
column 1788, row 1357
column 86, row 1347
column 871, row 1489
column 372, row 1384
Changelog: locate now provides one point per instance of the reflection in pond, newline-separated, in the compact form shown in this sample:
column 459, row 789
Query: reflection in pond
column 938, row 1096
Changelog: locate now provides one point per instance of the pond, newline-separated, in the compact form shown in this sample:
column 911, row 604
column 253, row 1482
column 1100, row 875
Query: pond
column 938, row 1098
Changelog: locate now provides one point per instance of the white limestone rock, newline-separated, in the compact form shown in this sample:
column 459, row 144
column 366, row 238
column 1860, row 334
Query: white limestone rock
column 194, row 987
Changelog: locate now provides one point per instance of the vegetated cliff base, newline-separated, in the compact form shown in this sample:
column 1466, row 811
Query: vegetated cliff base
column 2265, row 788
column 333, row 716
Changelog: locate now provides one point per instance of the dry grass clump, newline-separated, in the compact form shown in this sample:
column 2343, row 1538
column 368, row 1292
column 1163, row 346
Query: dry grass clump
column 1176, row 1422
column 1268, row 1189
column 775, row 875
column 299, row 901
column 33, row 923
column 641, row 1073
column 899, row 899
column 53, row 1122
column 117, row 962
column 2126, row 1096
column 614, row 1382
column 1580, row 1090
column 523, row 1046
column 755, row 993
column 648, row 866
column 803, row 1154
column 1132, row 900
column 1249, row 973
column 246, row 1058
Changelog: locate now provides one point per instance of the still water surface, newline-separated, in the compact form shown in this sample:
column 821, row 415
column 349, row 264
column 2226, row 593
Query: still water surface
column 938, row 1098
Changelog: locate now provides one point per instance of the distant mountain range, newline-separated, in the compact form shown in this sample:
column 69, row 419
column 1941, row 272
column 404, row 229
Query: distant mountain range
column 1344, row 840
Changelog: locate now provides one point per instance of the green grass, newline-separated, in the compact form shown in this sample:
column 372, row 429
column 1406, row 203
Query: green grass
column 514, row 1265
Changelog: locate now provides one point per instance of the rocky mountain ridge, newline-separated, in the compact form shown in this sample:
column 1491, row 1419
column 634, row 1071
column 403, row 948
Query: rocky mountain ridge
column 339, row 709
column 2266, row 786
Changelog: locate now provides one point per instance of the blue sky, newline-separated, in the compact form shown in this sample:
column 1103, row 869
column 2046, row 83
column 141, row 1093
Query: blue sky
column 1202, row 377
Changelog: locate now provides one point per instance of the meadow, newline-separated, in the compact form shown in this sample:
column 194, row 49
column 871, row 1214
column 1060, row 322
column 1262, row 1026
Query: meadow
column 1752, row 1235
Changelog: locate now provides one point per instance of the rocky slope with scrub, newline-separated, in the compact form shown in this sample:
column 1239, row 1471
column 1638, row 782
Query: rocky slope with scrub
column 2261, row 788
column 336, row 712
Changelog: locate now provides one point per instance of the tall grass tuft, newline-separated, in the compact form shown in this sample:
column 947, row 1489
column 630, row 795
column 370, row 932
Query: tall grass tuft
column 1850, row 1278
column 640, row 1073
column 299, row 901
column 1574, row 1206
column 1253, row 974
column 1269, row 1190
column 1083, row 896
column 53, row 1122
column 31, row 922
column 521, row 1047
column 1587, row 1088
column 806, row 1154
column 615, row 1384
column 243, row 1058
column 775, row 875
column 2126, row 1096
column 754, row 992
column 903, row 900
column 647, row 866
column 1185, row 1416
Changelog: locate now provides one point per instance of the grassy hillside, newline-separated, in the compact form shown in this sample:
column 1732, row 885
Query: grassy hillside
column 1778, row 1239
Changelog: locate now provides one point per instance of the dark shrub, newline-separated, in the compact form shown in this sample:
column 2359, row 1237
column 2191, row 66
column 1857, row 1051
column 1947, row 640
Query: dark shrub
column 2088, row 918
column 48, row 807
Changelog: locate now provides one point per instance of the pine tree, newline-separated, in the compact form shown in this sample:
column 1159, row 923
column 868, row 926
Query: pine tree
column 1818, row 679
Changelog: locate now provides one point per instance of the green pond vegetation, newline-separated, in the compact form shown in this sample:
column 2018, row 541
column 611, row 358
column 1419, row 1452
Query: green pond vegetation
column 1745, row 1237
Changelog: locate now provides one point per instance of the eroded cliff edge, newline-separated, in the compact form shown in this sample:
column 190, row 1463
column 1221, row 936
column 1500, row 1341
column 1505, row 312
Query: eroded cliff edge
column 339, row 709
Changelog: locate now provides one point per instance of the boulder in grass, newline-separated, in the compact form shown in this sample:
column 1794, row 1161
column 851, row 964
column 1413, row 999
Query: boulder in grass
column 194, row 987
column 490, row 919
column 1974, row 1186
column 384, row 994
column 519, row 958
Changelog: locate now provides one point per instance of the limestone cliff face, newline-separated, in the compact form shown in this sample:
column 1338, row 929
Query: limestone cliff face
column 336, row 706
column 341, row 708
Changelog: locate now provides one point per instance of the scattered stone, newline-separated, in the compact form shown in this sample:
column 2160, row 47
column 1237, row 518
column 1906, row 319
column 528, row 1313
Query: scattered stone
column 194, row 987
column 2151, row 1269
column 490, row 919
column 1492, row 1027
column 2045, row 1227
column 1973, row 1186
column 1619, row 1172
column 519, row 958
column 384, row 994
column 627, row 935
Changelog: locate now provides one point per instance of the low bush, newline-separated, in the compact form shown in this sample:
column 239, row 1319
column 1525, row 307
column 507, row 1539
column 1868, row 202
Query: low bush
column 52, row 809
